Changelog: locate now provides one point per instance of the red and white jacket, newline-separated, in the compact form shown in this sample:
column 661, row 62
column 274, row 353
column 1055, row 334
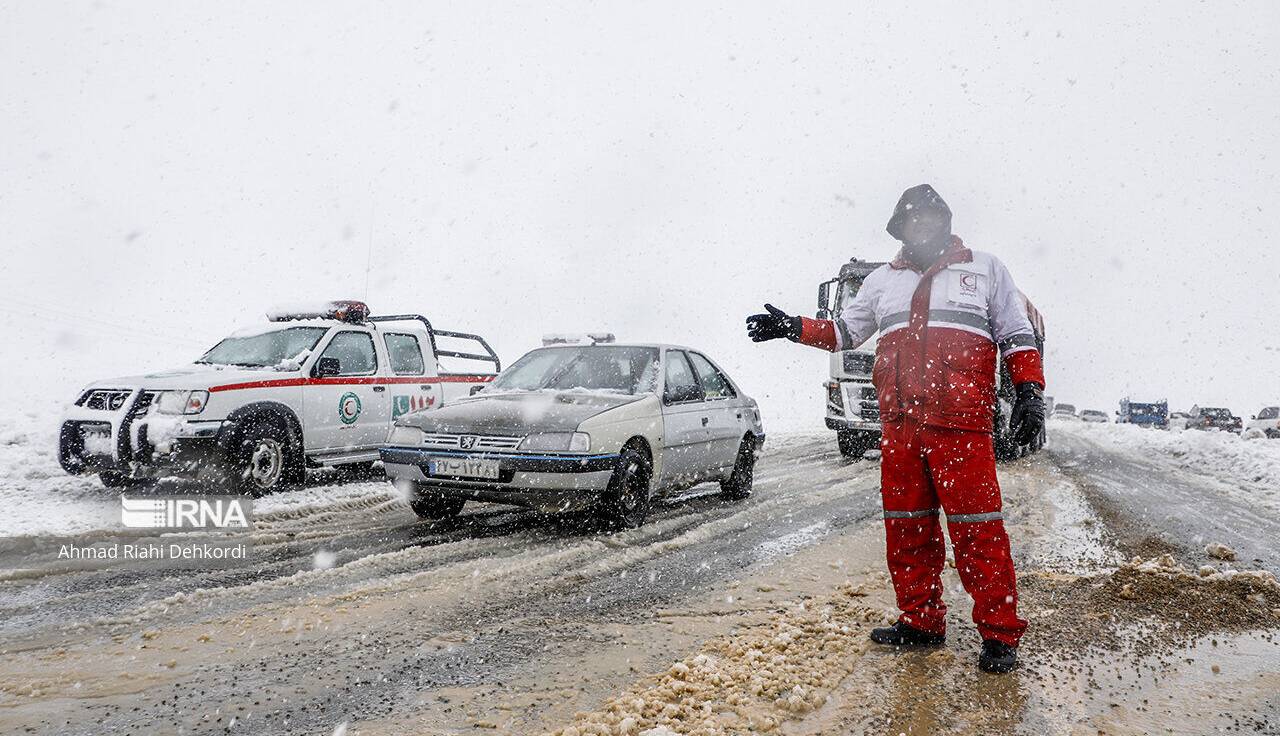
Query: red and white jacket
column 939, row 334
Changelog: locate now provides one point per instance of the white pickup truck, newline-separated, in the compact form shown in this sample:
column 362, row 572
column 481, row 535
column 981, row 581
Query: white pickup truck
column 311, row 388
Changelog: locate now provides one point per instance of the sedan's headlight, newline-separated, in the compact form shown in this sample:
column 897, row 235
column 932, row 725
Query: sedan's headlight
column 181, row 402
column 402, row 436
column 557, row 442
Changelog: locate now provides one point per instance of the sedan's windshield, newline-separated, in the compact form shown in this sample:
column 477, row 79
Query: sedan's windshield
column 1216, row 413
column 279, row 348
column 627, row 370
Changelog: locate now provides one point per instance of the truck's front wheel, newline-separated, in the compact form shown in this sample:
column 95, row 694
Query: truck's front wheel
column 262, row 460
column 854, row 445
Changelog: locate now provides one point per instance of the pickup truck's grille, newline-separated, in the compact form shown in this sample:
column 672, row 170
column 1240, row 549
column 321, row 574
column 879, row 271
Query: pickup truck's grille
column 104, row 399
column 471, row 441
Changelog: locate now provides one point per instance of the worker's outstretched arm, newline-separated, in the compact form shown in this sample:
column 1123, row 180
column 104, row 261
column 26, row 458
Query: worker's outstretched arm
column 847, row 331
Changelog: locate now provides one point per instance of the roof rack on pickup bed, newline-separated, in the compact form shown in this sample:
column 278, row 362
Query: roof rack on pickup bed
column 489, row 357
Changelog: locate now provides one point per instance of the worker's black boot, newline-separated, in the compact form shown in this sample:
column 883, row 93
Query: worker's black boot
column 904, row 635
column 997, row 656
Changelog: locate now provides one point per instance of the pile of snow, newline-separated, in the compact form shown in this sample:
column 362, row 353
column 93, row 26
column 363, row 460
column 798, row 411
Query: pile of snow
column 748, row 682
column 1166, row 566
column 1251, row 463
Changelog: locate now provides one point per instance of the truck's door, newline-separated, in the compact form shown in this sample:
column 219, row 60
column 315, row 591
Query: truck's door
column 350, row 411
column 413, row 383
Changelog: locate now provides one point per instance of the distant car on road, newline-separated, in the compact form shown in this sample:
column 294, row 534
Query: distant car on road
column 1178, row 420
column 574, row 425
column 1065, row 412
column 1210, row 417
column 1144, row 414
column 1093, row 415
column 1266, row 421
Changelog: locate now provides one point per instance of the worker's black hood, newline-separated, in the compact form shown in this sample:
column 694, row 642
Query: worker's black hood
column 914, row 200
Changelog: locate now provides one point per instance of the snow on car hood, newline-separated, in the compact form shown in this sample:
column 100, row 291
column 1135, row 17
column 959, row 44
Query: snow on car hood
column 194, row 376
column 518, row 412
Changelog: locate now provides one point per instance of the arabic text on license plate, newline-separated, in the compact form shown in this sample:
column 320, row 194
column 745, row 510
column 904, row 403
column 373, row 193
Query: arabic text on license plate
column 467, row 468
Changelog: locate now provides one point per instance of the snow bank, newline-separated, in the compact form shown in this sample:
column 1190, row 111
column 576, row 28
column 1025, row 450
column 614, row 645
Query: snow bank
column 1253, row 464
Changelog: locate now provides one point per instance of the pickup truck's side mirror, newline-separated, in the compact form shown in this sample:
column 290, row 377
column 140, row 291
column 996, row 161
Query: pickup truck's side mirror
column 1253, row 416
column 327, row 367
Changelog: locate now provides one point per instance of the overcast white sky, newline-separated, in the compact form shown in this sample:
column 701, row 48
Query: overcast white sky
column 171, row 170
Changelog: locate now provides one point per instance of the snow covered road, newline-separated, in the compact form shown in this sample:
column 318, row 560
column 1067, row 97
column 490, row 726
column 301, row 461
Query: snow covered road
column 353, row 612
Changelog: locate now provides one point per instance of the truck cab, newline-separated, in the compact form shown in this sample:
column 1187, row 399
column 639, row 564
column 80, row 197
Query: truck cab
column 309, row 388
column 852, row 409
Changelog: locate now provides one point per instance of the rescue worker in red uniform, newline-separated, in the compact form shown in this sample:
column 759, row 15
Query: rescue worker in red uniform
column 944, row 313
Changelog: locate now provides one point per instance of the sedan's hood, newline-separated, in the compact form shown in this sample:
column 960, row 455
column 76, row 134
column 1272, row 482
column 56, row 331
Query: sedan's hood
column 517, row 413
column 194, row 376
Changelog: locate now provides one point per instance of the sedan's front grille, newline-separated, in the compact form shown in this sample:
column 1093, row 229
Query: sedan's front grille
column 104, row 399
column 471, row 441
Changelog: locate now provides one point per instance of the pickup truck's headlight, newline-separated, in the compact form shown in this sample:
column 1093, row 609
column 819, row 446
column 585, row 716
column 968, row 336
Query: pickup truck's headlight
column 181, row 402
column 402, row 436
column 557, row 442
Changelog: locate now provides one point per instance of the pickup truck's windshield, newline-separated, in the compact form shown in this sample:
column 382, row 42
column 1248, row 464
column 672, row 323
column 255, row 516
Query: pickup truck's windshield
column 621, row 369
column 1216, row 413
column 279, row 348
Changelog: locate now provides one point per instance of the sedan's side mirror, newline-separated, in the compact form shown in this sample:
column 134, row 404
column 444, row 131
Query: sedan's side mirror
column 1253, row 416
column 327, row 367
column 476, row 389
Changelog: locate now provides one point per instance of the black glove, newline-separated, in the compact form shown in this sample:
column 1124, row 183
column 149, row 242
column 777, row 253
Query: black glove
column 1026, row 421
column 771, row 326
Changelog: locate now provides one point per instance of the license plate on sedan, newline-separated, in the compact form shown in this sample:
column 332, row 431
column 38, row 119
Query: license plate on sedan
column 464, row 468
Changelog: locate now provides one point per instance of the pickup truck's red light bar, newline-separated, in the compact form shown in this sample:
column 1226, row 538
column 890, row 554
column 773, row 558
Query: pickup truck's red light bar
column 345, row 310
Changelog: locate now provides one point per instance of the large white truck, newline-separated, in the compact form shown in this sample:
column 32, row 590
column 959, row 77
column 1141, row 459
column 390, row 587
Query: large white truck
column 311, row 387
column 852, row 408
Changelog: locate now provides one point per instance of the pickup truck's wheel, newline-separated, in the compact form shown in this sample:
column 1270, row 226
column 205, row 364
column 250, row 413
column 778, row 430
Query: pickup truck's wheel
column 738, row 485
column 433, row 506
column 262, row 458
column 626, row 501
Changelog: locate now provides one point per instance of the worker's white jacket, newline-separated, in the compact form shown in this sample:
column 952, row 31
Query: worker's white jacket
column 940, row 368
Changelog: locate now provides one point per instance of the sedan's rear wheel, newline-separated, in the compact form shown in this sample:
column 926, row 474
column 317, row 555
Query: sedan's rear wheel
column 738, row 485
column 627, row 500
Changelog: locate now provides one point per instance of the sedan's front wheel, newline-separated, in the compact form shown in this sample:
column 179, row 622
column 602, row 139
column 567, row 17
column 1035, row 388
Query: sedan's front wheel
column 435, row 506
column 626, row 501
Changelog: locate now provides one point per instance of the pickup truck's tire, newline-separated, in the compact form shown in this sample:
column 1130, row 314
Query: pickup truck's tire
column 854, row 445
column 262, row 458
column 738, row 485
column 626, row 501
column 433, row 506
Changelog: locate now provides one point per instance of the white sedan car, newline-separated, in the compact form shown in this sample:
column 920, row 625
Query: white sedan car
column 569, row 426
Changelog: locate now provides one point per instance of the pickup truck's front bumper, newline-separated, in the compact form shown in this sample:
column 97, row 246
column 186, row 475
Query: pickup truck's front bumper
column 133, row 442
column 544, row 481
